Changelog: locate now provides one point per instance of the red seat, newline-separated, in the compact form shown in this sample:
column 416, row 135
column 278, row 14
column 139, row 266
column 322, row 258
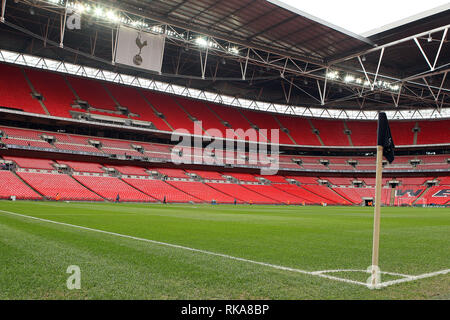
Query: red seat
column 159, row 189
column 50, row 185
column 110, row 187
column 57, row 95
column 32, row 163
column 202, row 191
column 242, row 194
column 15, row 92
column 12, row 186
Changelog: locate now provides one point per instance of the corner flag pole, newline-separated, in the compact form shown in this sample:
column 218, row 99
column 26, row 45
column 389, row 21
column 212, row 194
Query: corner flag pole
column 385, row 147
column 376, row 219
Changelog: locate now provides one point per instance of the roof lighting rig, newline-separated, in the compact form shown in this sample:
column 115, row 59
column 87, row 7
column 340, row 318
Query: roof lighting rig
column 360, row 80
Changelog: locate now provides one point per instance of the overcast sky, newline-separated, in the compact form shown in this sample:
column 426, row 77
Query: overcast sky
column 362, row 16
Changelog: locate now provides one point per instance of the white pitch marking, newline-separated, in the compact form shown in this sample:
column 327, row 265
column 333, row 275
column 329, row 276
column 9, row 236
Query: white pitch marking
column 413, row 278
column 187, row 248
column 314, row 273
column 364, row 271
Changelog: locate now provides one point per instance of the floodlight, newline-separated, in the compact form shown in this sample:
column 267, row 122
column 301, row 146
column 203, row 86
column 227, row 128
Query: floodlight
column 349, row 78
column 202, row 42
column 332, row 75
column 98, row 11
column 112, row 16
column 233, row 50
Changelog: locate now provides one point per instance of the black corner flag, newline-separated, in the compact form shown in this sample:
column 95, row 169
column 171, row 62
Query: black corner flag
column 385, row 138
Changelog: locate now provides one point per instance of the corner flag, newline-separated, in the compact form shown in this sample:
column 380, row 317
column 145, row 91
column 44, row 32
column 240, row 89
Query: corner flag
column 385, row 147
column 385, row 137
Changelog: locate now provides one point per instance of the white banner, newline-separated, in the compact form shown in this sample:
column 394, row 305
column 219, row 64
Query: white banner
column 140, row 49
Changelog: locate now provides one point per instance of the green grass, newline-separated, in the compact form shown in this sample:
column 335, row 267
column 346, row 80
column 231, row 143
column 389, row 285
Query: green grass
column 34, row 255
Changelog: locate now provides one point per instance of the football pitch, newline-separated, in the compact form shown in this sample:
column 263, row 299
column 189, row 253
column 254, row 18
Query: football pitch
column 154, row 251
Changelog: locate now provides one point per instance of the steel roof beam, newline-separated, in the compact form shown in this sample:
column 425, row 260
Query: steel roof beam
column 387, row 45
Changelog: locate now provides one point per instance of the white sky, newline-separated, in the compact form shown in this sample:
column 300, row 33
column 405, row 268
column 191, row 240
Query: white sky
column 362, row 16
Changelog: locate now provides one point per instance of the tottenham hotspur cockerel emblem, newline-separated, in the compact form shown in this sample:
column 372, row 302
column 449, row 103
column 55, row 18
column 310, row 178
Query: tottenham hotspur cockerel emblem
column 137, row 60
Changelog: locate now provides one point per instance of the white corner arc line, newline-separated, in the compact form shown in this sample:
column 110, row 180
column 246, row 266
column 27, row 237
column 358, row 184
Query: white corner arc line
column 313, row 273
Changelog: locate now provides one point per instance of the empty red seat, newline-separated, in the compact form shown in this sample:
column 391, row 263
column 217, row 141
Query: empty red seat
column 159, row 189
column 110, row 187
column 299, row 129
column 12, row 186
column 50, row 185
column 433, row 132
column 15, row 92
column 173, row 114
column 202, row 112
column 58, row 98
column 173, row 173
column 327, row 193
column 211, row 175
column 93, row 92
column 436, row 195
column 306, row 196
column 242, row 194
column 32, row 163
column 331, row 132
column 202, row 191
column 131, row 170
column 132, row 99
column 83, row 166
column 267, row 121
column 274, row 193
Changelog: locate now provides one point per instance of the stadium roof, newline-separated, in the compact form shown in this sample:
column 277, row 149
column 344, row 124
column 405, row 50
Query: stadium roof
column 282, row 55
column 259, row 23
column 408, row 20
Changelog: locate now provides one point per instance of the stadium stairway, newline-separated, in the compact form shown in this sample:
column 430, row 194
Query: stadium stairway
column 109, row 187
column 332, row 196
column 160, row 122
column 239, row 192
column 340, row 195
column 169, row 110
column 138, row 190
column 316, row 132
column 285, row 130
column 191, row 194
column 330, row 132
column 349, row 135
column 269, row 192
column 200, row 111
column 205, row 192
column 253, row 125
column 213, row 185
column 159, row 189
column 57, row 186
column 29, row 185
column 14, row 186
column 12, row 80
column 392, row 197
column 104, row 199
column 308, row 196
column 223, row 122
column 416, row 132
column 298, row 192
column 417, row 200
column 34, row 92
